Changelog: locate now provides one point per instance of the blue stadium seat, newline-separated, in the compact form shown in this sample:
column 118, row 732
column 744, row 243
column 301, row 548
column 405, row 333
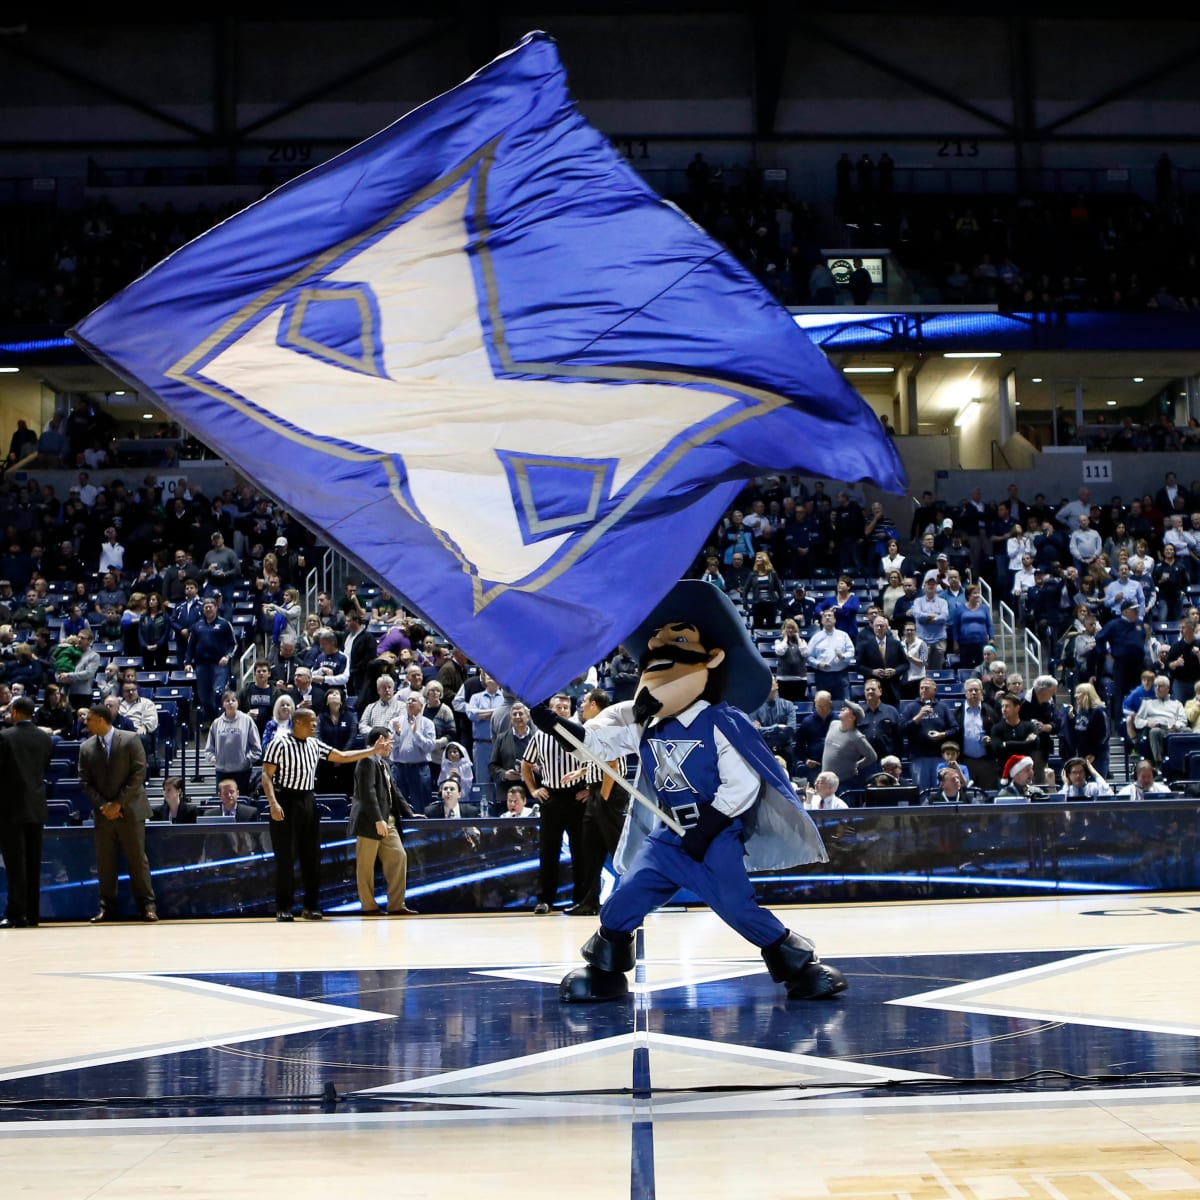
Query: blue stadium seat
column 168, row 730
column 1179, row 746
column 66, row 749
column 333, row 806
column 58, row 812
column 62, row 768
column 484, row 795
column 70, row 792
column 243, row 627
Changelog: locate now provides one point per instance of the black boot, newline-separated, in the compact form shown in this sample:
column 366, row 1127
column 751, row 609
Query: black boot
column 609, row 955
column 793, row 961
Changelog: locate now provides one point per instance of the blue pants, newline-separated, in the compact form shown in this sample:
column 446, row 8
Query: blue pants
column 836, row 683
column 481, row 758
column 662, row 867
column 925, row 772
column 211, row 681
column 414, row 783
column 226, row 592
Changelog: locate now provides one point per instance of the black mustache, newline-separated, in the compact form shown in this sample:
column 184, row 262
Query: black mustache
column 676, row 654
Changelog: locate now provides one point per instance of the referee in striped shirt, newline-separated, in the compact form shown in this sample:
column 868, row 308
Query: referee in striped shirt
column 289, row 775
column 561, row 783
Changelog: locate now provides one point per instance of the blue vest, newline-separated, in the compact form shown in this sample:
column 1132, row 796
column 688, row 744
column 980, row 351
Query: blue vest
column 679, row 763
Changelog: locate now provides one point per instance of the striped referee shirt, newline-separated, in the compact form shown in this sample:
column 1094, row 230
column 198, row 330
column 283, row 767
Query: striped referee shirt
column 552, row 762
column 295, row 761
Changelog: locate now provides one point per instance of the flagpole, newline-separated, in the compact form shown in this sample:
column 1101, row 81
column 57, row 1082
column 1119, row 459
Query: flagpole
column 580, row 749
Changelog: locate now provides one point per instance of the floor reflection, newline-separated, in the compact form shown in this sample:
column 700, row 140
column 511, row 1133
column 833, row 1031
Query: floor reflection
column 440, row 1020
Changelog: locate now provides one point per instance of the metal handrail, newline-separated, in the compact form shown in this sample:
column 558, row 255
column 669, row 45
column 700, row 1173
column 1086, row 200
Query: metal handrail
column 312, row 588
column 1033, row 655
column 1008, row 635
column 245, row 664
column 1018, row 645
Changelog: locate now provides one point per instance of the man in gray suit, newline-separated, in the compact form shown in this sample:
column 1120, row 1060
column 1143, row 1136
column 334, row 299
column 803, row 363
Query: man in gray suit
column 112, row 772
column 373, row 824
column 24, row 760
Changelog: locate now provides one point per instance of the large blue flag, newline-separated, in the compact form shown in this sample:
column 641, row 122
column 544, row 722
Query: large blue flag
column 493, row 367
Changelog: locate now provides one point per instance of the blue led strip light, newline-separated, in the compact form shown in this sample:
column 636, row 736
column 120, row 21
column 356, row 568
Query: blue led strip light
column 1049, row 885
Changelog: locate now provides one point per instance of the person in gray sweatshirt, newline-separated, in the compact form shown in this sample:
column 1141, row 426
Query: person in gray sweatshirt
column 233, row 745
column 847, row 752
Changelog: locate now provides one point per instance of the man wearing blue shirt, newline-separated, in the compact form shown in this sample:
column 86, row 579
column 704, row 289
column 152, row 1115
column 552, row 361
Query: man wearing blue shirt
column 931, row 614
column 330, row 668
column 209, row 649
column 1133, row 701
column 831, row 655
column 1125, row 639
column 480, row 708
column 187, row 613
column 927, row 723
column 1125, row 588
column 776, row 720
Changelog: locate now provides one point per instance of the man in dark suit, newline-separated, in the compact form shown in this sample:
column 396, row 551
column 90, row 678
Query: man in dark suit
column 450, row 805
column 880, row 655
column 1164, row 498
column 360, row 649
column 24, row 760
column 112, row 772
column 230, row 803
column 373, row 824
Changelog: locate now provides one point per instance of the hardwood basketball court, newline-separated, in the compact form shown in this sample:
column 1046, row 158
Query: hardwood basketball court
column 192, row 1058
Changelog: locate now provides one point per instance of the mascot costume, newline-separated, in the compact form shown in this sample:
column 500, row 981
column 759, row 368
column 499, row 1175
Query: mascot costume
column 704, row 763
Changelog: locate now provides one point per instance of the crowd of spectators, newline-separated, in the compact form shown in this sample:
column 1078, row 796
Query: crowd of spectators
column 888, row 631
column 1055, row 252
column 61, row 263
column 1026, row 252
column 118, row 580
column 855, row 614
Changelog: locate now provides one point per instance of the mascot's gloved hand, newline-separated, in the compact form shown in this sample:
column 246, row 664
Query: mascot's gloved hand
column 697, row 840
column 548, row 721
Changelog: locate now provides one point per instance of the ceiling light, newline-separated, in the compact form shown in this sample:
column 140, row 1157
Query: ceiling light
column 1111, row 403
column 147, row 416
column 1036, row 379
column 968, row 412
column 972, row 354
column 869, row 370
column 1139, row 379
column 9, row 370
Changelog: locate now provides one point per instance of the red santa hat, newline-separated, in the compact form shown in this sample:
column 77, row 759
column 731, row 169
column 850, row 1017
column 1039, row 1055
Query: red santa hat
column 1017, row 763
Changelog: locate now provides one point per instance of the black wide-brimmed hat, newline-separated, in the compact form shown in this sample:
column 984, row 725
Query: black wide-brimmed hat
column 748, row 678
